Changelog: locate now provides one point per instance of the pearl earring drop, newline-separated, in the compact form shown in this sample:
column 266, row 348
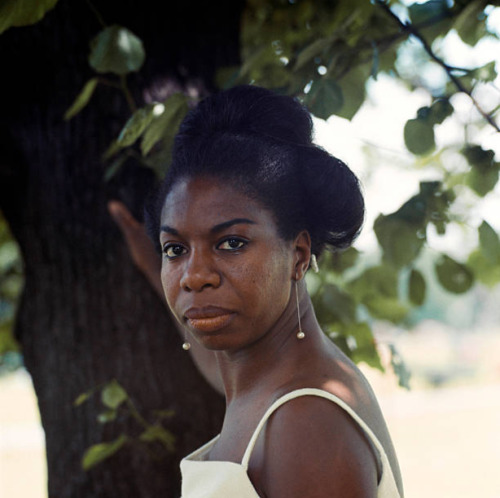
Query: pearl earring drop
column 300, row 333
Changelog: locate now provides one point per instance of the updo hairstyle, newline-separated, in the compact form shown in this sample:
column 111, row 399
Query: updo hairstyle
column 261, row 144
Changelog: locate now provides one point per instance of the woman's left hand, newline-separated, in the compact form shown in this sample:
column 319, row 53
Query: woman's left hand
column 140, row 246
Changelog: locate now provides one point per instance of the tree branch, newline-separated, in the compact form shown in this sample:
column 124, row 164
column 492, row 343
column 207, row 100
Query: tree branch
column 410, row 29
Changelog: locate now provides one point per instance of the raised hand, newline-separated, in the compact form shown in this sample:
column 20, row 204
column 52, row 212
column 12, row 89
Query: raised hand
column 140, row 246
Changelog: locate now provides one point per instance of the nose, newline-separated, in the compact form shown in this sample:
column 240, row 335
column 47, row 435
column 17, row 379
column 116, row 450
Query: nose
column 199, row 273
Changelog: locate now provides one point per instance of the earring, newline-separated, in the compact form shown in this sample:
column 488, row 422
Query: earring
column 300, row 333
column 314, row 264
column 186, row 345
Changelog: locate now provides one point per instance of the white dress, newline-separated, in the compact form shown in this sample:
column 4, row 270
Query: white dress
column 215, row 479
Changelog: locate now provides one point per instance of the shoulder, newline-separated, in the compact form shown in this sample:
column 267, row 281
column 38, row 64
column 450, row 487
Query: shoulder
column 312, row 447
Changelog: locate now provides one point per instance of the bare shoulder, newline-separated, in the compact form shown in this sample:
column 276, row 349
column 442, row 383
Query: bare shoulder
column 312, row 448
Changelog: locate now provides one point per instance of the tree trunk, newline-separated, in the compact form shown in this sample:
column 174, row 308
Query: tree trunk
column 87, row 315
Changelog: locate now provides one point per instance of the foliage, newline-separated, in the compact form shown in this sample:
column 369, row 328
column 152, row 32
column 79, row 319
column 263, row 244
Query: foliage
column 117, row 404
column 23, row 12
column 325, row 53
column 11, row 281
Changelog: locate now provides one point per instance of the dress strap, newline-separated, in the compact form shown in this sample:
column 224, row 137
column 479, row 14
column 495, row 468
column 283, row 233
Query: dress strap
column 322, row 394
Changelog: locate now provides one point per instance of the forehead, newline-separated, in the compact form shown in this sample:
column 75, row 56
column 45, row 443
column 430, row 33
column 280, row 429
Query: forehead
column 206, row 202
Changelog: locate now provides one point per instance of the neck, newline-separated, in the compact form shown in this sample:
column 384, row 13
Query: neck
column 278, row 357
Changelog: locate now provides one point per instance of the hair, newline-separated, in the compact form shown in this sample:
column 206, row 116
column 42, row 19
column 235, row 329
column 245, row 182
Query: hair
column 260, row 143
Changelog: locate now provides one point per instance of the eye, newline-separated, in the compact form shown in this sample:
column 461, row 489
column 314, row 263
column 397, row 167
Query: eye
column 232, row 244
column 172, row 251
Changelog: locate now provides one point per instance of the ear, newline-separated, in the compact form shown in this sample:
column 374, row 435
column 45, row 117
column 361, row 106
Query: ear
column 302, row 255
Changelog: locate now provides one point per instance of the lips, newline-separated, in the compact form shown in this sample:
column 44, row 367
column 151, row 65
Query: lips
column 209, row 318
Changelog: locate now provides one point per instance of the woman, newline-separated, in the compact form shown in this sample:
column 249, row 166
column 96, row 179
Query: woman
column 248, row 203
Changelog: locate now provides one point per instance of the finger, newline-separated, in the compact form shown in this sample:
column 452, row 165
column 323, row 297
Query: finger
column 122, row 216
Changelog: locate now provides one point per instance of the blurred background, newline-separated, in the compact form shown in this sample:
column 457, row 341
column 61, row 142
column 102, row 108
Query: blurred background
column 437, row 329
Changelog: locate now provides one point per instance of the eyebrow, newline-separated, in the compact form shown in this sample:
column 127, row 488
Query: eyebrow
column 216, row 228
column 167, row 229
column 230, row 223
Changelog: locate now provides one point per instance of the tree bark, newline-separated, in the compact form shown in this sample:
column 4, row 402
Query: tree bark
column 87, row 315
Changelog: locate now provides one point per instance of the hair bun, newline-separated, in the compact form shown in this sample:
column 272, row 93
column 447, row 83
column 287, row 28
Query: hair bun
column 334, row 203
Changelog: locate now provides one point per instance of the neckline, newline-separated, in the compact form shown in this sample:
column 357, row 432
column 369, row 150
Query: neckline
column 199, row 454
column 386, row 481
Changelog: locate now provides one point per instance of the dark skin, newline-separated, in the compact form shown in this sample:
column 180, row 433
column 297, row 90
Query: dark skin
column 231, row 285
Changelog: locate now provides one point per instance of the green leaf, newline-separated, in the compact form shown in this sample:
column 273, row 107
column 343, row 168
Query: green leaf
column 468, row 25
column 160, row 160
column 480, row 158
column 489, row 243
column 341, row 261
column 398, row 239
column 15, row 13
column 453, row 276
column 136, row 125
column 374, row 281
column 339, row 303
column 439, row 111
column 100, row 452
column 113, row 395
column 419, row 137
column 486, row 73
column 386, row 308
column 167, row 117
column 400, row 368
column 81, row 399
column 258, row 57
column 106, row 416
column 482, row 181
column 429, row 204
column 324, row 98
column 427, row 11
column 366, row 348
column 484, row 271
column 483, row 175
column 9, row 256
column 8, row 343
column 114, row 148
column 423, row 114
column 116, row 50
column 353, row 86
column 114, row 167
column 158, row 433
column 417, row 288
column 11, row 287
column 311, row 51
column 432, row 18
column 82, row 99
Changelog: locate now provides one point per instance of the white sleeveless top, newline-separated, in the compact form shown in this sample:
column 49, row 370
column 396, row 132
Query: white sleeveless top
column 215, row 479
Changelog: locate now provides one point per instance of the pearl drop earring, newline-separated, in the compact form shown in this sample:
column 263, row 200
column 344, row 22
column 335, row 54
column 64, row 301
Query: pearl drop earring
column 186, row 345
column 300, row 333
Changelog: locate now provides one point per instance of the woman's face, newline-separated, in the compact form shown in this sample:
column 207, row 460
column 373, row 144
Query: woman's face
column 226, row 272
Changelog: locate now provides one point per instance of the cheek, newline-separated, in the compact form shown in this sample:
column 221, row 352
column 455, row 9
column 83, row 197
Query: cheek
column 169, row 284
column 268, row 283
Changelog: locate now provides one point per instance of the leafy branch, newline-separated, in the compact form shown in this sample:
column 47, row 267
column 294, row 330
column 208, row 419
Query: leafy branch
column 409, row 28
column 116, row 400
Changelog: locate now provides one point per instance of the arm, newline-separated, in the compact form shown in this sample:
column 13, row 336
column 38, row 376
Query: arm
column 148, row 261
column 311, row 448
